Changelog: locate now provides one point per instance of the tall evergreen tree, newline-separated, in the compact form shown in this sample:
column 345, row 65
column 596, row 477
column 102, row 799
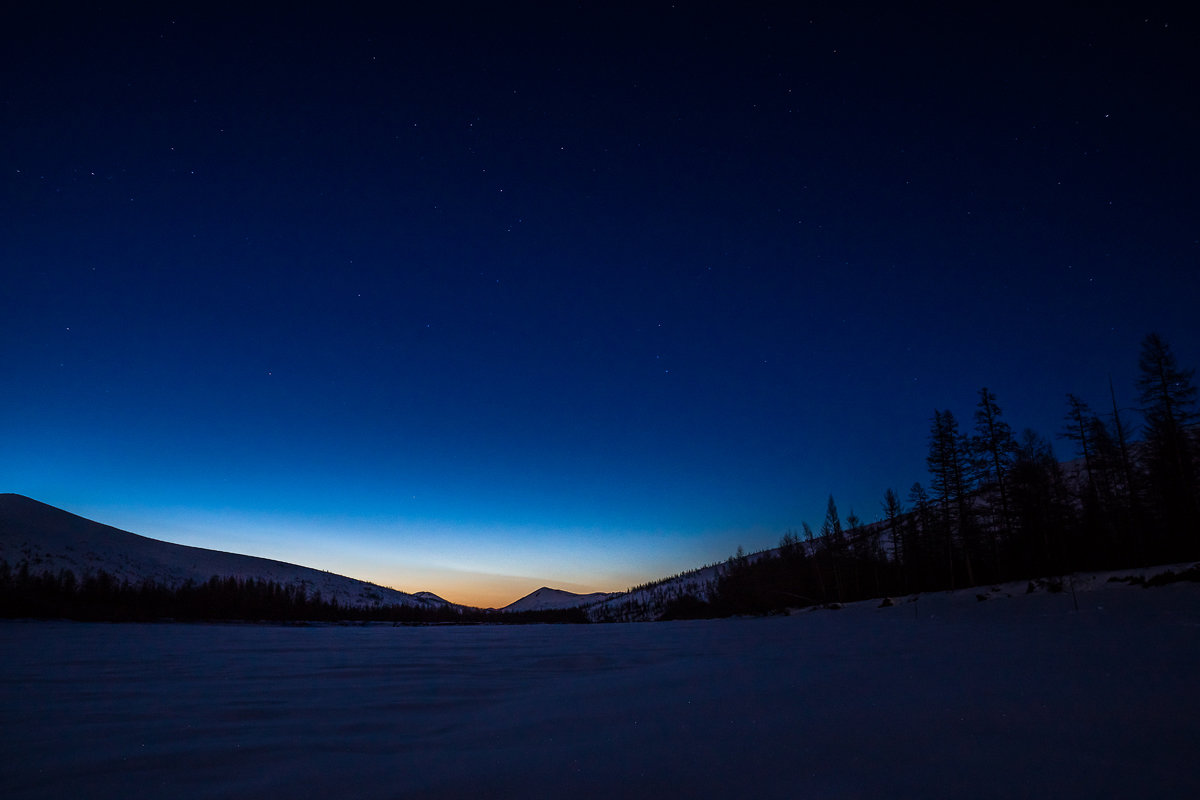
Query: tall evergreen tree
column 923, row 560
column 1106, row 464
column 1095, row 446
column 1121, row 531
column 1040, row 506
column 1128, row 476
column 994, row 448
column 893, row 513
column 814, row 551
column 1079, row 429
column 1168, row 404
column 949, row 468
column 835, row 545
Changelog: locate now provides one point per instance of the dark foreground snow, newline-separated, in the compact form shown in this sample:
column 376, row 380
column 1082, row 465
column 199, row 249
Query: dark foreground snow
column 1011, row 697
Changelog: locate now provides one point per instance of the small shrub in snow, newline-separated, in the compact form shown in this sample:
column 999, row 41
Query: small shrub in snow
column 1191, row 574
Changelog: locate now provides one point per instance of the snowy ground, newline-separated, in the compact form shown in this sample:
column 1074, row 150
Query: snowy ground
column 1014, row 697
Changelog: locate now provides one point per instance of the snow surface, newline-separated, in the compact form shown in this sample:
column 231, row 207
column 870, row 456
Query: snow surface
column 944, row 697
column 51, row 539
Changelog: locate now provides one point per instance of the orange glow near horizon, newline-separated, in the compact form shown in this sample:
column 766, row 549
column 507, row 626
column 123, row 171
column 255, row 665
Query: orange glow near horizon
column 481, row 567
column 488, row 591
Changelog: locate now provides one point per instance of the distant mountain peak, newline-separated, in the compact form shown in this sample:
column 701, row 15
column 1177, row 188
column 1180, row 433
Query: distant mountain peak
column 545, row 598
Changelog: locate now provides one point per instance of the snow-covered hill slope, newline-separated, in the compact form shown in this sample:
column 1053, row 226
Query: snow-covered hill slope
column 545, row 599
column 649, row 601
column 50, row 539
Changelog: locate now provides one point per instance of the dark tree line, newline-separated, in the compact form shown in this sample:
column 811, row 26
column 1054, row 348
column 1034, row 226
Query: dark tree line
column 1001, row 506
column 100, row 596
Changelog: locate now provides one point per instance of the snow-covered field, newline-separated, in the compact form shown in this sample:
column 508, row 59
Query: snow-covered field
column 1014, row 697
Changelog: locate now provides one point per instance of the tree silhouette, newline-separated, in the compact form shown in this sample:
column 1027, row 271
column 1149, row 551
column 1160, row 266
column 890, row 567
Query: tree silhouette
column 993, row 447
column 1168, row 403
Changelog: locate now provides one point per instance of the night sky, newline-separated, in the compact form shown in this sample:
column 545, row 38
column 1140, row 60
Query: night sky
column 475, row 299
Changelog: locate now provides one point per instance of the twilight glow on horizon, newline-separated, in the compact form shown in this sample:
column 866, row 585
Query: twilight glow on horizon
column 474, row 300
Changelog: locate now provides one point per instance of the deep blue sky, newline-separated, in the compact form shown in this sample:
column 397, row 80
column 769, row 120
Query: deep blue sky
column 473, row 300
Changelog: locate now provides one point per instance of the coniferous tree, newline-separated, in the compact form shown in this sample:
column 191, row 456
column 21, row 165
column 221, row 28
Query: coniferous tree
column 948, row 463
column 835, row 544
column 893, row 512
column 1168, row 403
column 1113, row 491
column 1077, row 429
column 1040, row 506
column 1080, row 428
column 994, row 448
column 1128, row 475
column 922, row 536
column 814, row 550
